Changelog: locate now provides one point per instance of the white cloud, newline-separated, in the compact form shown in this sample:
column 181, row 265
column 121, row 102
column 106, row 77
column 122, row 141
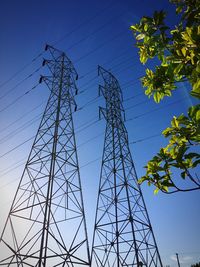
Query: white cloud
column 181, row 259
column 186, row 258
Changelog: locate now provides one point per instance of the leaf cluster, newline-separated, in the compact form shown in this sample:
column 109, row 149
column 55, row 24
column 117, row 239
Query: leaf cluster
column 178, row 52
column 177, row 49
column 184, row 134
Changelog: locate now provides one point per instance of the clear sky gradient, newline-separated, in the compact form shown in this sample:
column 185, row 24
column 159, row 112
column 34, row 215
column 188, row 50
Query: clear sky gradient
column 91, row 33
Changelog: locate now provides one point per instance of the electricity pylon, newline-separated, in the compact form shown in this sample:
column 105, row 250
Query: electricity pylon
column 46, row 224
column 123, row 233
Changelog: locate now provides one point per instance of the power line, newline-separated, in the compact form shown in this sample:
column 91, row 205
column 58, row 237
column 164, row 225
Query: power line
column 26, row 78
column 18, row 98
column 35, row 119
column 81, row 129
column 132, row 97
column 99, row 47
column 12, row 169
column 138, row 104
column 11, row 166
column 20, row 118
column 106, row 62
column 145, row 138
column 20, row 129
column 90, row 162
column 22, row 162
column 56, row 42
column 94, row 32
column 19, row 71
column 87, row 126
column 84, row 23
column 94, row 122
column 81, row 167
column 90, row 102
column 91, row 139
column 14, row 148
column 156, row 109
column 87, row 104
column 7, row 170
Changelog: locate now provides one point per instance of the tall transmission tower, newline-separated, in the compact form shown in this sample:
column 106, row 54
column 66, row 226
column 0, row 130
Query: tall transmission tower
column 46, row 224
column 123, row 233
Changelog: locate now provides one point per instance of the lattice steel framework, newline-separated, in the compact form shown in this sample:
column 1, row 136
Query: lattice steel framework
column 123, row 233
column 46, row 224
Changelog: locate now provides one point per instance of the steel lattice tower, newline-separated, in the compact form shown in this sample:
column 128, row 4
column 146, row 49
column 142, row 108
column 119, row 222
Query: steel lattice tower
column 123, row 233
column 46, row 224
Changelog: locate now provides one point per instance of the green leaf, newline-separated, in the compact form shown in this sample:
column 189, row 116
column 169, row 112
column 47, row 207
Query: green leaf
column 193, row 110
column 157, row 97
column 134, row 27
column 181, row 152
column 156, row 191
column 146, row 26
column 140, row 36
column 174, row 122
column 198, row 116
column 168, row 93
column 192, row 155
column 179, row 9
column 165, row 188
column 183, row 174
column 196, row 162
column 184, row 51
column 195, row 94
column 167, row 132
column 178, row 68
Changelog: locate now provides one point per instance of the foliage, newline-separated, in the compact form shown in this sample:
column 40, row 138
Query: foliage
column 184, row 133
column 178, row 52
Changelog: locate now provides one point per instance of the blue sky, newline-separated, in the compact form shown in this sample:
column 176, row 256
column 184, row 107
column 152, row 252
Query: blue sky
column 91, row 33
